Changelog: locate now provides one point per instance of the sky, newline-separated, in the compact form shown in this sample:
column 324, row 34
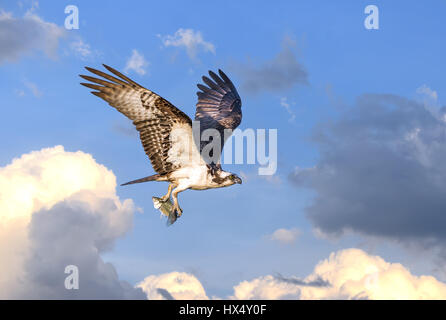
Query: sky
column 355, row 209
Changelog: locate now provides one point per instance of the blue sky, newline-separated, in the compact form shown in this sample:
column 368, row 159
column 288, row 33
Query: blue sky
column 223, row 236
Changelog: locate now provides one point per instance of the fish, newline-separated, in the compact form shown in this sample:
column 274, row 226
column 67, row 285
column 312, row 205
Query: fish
column 166, row 209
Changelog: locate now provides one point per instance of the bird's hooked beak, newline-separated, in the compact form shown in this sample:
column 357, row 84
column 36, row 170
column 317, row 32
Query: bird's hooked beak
column 238, row 180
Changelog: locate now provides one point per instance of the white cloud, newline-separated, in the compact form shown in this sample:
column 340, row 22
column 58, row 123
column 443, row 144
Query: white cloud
column 190, row 39
column 34, row 6
column 22, row 36
column 29, row 34
column 285, row 236
column 136, row 63
column 173, row 285
column 425, row 90
column 284, row 103
column 266, row 288
column 33, row 88
column 348, row 274
column 81, row 48
column 59, row 208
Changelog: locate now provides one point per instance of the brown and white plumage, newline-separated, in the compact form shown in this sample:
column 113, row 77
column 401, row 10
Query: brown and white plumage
column 166, row 132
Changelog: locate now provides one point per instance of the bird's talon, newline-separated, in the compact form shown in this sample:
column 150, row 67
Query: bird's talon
column 178, row 212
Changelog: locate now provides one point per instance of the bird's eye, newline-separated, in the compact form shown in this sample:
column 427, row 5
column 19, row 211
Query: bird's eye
column 231, row 177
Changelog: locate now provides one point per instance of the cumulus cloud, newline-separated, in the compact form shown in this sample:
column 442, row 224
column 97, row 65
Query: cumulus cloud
column 60, row 208
column 285, row 236
column 346, row 274
column 188, row 39
column 173, row 285
column 23, row 36
column 381, row 171
column 136, row 63
column 278, row 74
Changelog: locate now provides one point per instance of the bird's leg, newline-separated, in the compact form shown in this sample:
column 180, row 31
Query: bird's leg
column 167, row 196
column 176, row 206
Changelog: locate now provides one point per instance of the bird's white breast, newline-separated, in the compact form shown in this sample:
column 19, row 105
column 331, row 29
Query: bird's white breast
column 193, row 177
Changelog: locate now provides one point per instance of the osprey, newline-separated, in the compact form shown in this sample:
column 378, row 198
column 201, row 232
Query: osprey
column 166, row 132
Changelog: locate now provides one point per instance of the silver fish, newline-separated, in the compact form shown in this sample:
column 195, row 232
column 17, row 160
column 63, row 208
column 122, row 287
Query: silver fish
column 166, row 208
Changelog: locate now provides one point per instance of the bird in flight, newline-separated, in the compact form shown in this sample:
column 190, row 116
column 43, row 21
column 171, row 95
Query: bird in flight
column 167, row 134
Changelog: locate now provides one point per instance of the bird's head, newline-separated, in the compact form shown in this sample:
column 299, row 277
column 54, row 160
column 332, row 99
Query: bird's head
column 233, row 178
column 225, row 179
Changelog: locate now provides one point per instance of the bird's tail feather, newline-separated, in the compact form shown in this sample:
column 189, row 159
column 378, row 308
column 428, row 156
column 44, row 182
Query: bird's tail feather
column 155, row 177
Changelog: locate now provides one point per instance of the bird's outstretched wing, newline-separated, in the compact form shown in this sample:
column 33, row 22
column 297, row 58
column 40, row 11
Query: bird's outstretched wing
column 219, row 106
column 155, row 118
